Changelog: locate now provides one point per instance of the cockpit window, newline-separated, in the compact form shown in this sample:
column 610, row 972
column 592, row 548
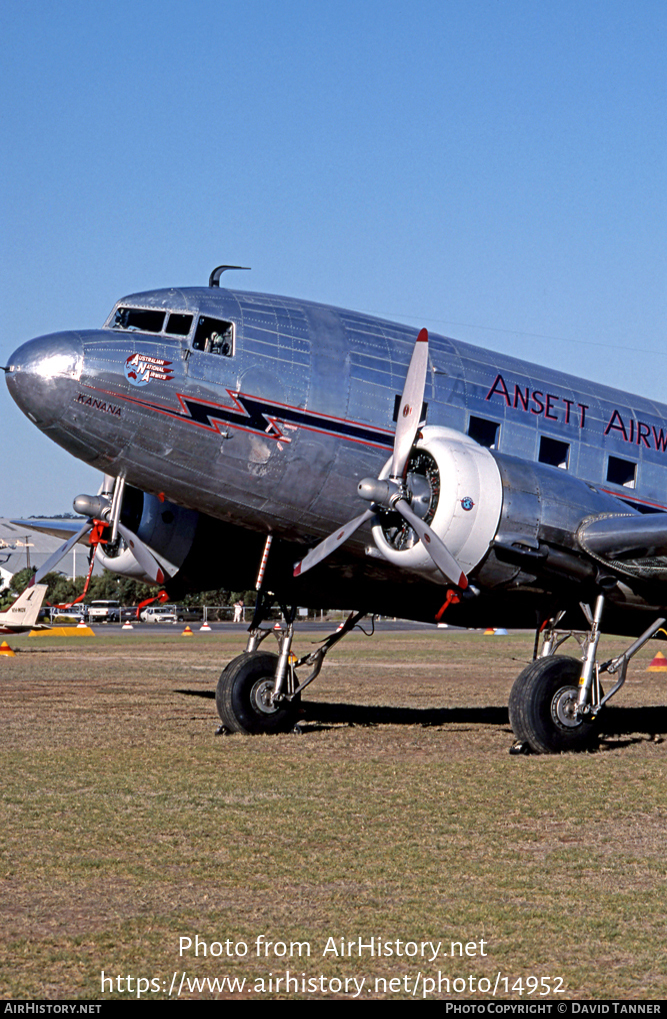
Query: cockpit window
column 148, row 320
column 178, row 325
column 140, row 320
column 214, row 336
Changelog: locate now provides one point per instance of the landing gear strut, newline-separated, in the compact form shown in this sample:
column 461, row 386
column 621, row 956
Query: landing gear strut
column 555, row 702
column 260, row 692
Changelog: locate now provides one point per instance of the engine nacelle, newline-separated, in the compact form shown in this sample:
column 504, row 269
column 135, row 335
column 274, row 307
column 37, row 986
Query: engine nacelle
column 456, row 488
column 167, row 529
column 196, row 552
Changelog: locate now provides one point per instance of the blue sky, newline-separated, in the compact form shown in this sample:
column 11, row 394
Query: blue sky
column 493, row 170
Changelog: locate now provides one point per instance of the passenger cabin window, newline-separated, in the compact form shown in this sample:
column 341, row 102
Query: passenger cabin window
column 621, row 472
column 483, row 431
column 140, row 320
column 178, row 325
column 397, row 408
column 214, row 336
column 554, row 452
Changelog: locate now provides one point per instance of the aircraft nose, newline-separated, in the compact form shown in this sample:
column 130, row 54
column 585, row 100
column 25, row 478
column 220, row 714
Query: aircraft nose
column 41, row 374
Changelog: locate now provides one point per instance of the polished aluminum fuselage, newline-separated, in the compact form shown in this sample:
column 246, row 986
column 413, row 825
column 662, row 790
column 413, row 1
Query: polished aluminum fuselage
column 277, row 436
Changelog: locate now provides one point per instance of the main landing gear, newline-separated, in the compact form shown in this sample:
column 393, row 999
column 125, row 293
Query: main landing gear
column 260, row 692
column 555, row 702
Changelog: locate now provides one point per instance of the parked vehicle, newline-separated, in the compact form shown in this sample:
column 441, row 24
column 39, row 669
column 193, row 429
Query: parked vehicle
column 186, row 614
column 78, row 613
column 104, row 612
column 160, row 614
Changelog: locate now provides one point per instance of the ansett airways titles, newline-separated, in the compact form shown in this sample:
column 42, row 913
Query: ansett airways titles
column 534, row 401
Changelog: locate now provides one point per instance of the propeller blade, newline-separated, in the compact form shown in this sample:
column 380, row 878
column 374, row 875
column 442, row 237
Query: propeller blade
column 54, row 559
column 410, row 407
column 437, row 550
column 142, row 554
column 408, row 421
column 330, row 544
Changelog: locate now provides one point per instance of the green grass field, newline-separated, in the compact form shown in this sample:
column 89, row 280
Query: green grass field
column 397, row 815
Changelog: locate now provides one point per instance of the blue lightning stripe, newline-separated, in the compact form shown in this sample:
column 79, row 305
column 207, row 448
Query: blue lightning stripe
column 249, row 413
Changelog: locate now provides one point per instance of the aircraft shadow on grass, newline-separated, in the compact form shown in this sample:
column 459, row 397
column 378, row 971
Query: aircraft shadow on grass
column 650, row 721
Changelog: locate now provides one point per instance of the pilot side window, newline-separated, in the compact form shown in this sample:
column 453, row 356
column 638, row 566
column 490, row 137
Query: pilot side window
column 214, row 336
column 140, row 320
column 178, row 325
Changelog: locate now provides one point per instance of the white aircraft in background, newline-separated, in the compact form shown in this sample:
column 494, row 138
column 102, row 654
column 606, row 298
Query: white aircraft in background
column 22, row 615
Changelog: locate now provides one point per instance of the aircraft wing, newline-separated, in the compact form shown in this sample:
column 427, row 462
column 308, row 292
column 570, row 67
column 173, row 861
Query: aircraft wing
column 625, row 539
column 62, row 529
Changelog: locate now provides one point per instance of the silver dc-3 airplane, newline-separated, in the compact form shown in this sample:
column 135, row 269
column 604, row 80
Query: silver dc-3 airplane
column 335, row 458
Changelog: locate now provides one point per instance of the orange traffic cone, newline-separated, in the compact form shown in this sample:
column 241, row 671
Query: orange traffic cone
column 187, row 632
column 6, row 650
column 659, row 663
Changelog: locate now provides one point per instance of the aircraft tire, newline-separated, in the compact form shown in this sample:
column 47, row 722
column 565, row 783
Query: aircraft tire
column 241, row 696
column 540, row 707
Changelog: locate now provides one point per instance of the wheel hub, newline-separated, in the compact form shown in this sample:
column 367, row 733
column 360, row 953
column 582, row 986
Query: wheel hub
column 260, row 697
column 564, row 707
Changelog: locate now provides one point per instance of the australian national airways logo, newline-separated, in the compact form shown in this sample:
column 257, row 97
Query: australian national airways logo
column 141, row 368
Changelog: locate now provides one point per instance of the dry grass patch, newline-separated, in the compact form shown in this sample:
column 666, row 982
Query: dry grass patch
column 126, row 823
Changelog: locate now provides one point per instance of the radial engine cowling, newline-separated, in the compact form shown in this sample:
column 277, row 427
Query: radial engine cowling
column 167, row 529
column 456, row 488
